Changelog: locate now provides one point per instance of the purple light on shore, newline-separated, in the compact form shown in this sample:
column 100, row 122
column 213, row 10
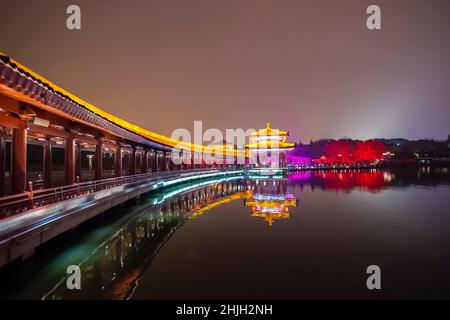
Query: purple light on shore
column 300, row 176
column 298, row 159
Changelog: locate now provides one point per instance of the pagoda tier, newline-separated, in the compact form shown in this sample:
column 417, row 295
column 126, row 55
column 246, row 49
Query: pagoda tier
column 269, row 138
column 269, row 146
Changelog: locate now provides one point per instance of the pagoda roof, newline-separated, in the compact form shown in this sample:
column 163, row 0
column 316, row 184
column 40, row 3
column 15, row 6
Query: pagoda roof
column 268, row 131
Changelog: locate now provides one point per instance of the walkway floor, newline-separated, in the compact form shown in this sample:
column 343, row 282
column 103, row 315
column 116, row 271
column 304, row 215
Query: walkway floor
column 39, row 217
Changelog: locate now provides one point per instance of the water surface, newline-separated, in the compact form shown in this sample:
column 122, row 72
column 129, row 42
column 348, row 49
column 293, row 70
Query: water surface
column 289, row 236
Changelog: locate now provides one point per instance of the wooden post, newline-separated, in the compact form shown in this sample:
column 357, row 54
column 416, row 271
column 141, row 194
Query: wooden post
column 157, row 164
column 144, row 168
column 154, row 165
column 2, row 164
column 70, row 160
column 133, row 161
column 99, row 161
column 167, row 161
column 48, row 164
column 118, row 161
column 19, row 160
column 77, row 161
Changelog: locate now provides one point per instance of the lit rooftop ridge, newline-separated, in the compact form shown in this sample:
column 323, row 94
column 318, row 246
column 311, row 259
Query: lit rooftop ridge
column 269, row 139
column 153, row 136
column 268, row 131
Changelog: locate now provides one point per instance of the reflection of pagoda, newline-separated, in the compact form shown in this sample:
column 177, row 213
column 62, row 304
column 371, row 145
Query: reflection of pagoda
column 268, row 147
column 267, row 202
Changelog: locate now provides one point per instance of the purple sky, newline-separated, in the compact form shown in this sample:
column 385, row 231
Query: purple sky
column 311, row 67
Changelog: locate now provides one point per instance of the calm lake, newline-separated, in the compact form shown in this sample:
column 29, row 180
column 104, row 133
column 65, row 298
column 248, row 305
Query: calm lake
column 301, row 235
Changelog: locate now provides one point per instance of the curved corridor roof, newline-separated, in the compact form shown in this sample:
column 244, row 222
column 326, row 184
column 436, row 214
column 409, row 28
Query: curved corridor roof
column 145, row 133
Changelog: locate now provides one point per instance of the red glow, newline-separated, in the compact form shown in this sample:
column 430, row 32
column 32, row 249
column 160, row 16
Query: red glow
column 346, row 152
column 342, row 180
column 338, row 152
column 369, row 150
column 370, row 181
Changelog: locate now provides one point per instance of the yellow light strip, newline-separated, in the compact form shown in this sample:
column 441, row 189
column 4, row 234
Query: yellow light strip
column 127, row 125
column 270, row 204
column 268, row 144
column 236, row 196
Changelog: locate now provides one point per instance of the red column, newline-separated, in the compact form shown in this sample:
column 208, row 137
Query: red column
column 133, row 161
column 99, row 161
column 70, row 160
column 48, row 164
column 19, row 160
column 140, row 162
column 168, row 161
column 154, row 161
column 161, row 160
column 118, row 162
column 144, row 162
column 164, row 161
column 151, row 167
column 2, row 164
column 77, row 162
column 157, row 165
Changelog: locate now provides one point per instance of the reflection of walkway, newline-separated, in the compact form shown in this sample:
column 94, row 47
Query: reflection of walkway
column 112, row 270
column 236, row 196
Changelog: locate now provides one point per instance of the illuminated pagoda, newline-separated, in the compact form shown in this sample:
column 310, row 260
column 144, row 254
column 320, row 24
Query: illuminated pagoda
column 267, row 147
column 270, row 207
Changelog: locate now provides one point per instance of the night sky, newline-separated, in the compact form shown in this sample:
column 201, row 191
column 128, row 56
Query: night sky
column 311, row 67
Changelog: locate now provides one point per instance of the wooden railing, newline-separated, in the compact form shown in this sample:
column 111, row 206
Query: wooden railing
column 15, row 204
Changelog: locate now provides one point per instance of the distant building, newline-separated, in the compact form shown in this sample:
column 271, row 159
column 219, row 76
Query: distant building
column 268, row 147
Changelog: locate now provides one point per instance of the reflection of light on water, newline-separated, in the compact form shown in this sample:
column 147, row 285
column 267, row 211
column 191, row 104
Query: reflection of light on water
column 236, row 196
column 265, row 177
column 273, row 197
column 278, row 209
column 270, row 206
column 300, row 176
column 388, row 177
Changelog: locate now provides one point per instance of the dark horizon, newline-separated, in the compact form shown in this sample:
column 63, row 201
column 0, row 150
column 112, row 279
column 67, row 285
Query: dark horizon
column 317, row 73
